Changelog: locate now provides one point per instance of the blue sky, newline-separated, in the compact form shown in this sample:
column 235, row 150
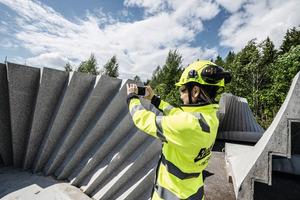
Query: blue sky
column 50, row 33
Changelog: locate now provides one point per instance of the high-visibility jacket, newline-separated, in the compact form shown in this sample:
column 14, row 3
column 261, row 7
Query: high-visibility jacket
column 188, row 134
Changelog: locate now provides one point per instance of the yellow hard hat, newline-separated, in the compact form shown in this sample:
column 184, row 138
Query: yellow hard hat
column 205, row 73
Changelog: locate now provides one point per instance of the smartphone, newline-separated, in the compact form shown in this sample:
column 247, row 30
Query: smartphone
column 141, row 91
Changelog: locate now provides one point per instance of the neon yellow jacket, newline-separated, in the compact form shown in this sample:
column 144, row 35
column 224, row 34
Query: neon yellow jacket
column 188, row 134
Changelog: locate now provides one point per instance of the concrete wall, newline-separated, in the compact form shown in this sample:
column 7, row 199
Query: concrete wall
column 77, row 127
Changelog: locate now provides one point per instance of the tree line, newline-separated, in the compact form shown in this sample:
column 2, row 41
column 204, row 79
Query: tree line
column 260, row 73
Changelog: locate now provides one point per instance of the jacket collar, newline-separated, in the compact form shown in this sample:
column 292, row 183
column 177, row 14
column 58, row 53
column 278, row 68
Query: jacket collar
column 194, row 108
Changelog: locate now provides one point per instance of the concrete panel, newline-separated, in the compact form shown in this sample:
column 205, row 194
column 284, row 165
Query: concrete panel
column 112, row 143
column 111, row 116
column 237, row 122
column 114, row 159
column 101, row 94
column 5, row 129
column 142, row 188
column 256, row 165
column 118, row 166
column 73, row 101
column 50, row 91
column 23, row 84
column 134, row 170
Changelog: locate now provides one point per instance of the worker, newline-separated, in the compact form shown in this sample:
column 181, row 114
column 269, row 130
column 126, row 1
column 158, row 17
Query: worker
column 188, row 133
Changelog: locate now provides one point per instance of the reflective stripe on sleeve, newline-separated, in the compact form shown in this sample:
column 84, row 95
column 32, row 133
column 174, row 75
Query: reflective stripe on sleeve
column 159, row 131
column 168, row 109
column 204, row 126
column 173, row 169
column 168, row 195
column 136, row 108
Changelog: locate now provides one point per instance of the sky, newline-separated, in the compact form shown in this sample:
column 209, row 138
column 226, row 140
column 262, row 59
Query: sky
column 140, row 33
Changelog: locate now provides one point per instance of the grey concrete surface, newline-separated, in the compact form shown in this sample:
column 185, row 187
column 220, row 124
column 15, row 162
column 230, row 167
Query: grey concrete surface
column 16, row 184
column 104, row 88
column 5, row 128
column 23, row 84
column 256, row 164
column 50, row 90
column 237, row 122
column 111, row 116
column 72, row 102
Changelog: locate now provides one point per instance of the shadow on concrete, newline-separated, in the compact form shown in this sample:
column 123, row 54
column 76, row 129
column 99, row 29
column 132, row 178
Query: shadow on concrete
column 284, row 186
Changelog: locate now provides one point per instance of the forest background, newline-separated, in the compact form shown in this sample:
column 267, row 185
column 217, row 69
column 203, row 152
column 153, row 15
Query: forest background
column 260, row 73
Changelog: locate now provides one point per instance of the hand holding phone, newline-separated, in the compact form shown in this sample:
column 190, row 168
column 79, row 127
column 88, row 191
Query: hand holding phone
column 141, row 91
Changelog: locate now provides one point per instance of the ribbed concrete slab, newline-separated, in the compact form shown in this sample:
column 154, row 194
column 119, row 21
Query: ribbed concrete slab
column 111, row 116
column 256, row 165
column 50, row 90
column 5, row 129
column 237, row 122
column 23, row 84
column 133, row 168
column 72, row 102
column 104, row 88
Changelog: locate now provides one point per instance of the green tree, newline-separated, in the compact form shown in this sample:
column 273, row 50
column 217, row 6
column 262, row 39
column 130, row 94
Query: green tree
column 164, row 78
column 137, row 78
column 291, row 38
column 285, row 69
column 68, row 67
column 219, row 61
column 89, row 66
column 111, row 68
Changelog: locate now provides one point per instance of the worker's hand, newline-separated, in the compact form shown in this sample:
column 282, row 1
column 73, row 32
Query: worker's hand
column 132, row 88
column 151, row 93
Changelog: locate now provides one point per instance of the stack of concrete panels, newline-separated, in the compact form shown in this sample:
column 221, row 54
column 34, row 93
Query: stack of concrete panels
column 237, row 122
column 77, row 127
column 249, row 164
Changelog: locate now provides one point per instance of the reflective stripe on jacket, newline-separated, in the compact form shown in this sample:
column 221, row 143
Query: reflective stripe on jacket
column 188, row 134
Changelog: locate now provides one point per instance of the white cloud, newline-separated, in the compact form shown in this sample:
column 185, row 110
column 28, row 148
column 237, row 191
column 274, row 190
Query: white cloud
column 53, row 60
column 231, row 5
column 260, row 19
column 140, row 46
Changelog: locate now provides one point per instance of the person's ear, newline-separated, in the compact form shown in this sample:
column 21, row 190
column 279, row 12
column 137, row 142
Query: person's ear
column 196, row 91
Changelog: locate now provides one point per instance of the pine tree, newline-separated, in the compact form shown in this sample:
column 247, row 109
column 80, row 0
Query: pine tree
column 68, row 67
column 111, row 68
column 89, row 66
column 291, row 38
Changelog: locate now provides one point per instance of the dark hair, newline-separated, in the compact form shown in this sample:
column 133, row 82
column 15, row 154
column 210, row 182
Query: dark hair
column 208, row 93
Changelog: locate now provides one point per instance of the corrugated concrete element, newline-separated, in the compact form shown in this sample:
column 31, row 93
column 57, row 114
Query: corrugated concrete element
column 5, row 130
column 249, row 164
column 100, row 95
column 237, row 122
column 23, row 84
column 73, row 99
column 50, row 90
column 76, row 127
